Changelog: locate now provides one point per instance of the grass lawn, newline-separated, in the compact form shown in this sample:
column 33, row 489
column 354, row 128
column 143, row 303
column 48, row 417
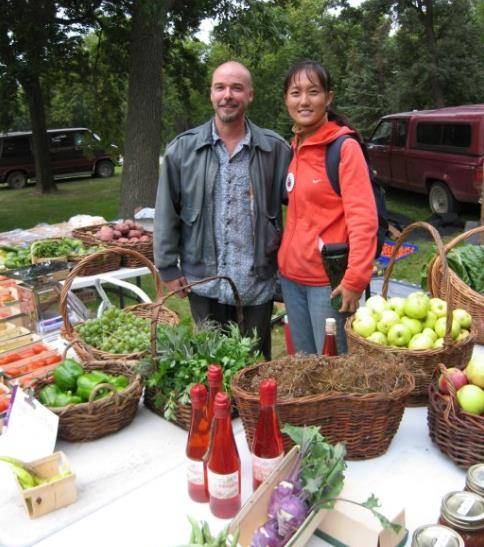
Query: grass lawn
column 26, row 208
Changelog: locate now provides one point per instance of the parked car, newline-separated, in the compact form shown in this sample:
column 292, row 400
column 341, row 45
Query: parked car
column 435, row 152
column 73, row 151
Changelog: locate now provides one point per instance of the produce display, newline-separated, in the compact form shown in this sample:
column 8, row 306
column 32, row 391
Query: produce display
column 469, row 384
column 32, row 358
column 123, row 232
column 416, row 322
column 66, row 246
column 12, row 258
column 116, row 331
column 184, row 354
column 72, row 385
column 26, row 477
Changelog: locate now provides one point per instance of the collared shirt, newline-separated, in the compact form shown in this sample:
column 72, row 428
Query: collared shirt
column 232, row 211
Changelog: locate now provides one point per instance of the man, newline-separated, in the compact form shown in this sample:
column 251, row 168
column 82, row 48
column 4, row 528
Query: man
column 218, row 208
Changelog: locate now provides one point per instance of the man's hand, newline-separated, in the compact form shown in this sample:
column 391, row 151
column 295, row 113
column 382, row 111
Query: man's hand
column 350, row 299
column 175, row 284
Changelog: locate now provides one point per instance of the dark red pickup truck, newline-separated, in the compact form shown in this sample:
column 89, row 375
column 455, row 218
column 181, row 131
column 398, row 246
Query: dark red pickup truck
column 435, row 152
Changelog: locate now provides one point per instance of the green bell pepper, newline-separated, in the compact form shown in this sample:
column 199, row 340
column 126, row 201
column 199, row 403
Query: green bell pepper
column 64, row 399
column 67, row 373
column 48, row 394
column 87, row 382
column 119, row 382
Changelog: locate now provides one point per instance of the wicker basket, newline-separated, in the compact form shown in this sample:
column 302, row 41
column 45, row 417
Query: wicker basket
column 458, row 434
column 163, row 315
column 106, row 263
column 365, row 423
column 183, row 413
column 86, row 235
column 421, row 363
column 462, row 296
column 97, row 418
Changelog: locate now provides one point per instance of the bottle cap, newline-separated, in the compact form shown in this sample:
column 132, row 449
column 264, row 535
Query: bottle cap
column 198, row 395
column 214, row 375
column 221, row 405
column 330, row 326
column 268, row 391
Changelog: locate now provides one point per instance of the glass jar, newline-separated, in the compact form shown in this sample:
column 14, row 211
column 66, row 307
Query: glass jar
column 464, row 513
column 435, row 535
column 475, row 479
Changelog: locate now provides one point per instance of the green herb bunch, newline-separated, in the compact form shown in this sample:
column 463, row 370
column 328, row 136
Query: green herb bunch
column 183, row 355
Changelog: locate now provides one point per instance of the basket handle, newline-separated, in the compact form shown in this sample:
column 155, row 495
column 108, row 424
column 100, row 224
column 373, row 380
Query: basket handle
column 97, row 388
column 159, row 304
column 91, row 258
column 445, row 269
column 450, row 386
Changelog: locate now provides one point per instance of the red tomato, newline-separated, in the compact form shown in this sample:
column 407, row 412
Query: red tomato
column 53, row 359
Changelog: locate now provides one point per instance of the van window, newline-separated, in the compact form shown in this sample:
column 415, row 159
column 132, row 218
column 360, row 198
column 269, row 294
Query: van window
column 448, row 135
column 15, row 147
column 383, row 133
column 401, row 133
column 62, row 140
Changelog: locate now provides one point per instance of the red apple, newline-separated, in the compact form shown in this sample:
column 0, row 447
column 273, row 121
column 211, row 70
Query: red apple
column 458, row 378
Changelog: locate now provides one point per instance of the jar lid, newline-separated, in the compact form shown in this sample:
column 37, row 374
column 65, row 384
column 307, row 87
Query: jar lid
column 435, row 535
column 475, row 478
column 464, row 510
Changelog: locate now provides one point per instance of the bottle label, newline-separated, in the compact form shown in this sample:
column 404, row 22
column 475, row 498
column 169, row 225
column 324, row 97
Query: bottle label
column 262, row 467
column 223, row 486
column 195, row 471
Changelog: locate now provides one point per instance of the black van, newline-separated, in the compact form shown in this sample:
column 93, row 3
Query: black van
column 73, row 151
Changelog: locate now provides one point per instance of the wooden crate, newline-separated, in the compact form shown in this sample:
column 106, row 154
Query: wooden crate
column 254, row 512
column 46, row 498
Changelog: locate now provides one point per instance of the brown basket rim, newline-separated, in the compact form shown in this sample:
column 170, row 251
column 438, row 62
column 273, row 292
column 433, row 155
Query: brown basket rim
column 237, row 391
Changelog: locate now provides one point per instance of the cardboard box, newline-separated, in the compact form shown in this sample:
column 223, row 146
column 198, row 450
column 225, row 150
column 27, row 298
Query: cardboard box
column 254, row 512
column 48, row 497
column 349, row 525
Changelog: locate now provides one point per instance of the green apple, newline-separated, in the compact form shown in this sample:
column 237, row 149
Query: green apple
column 417, row 305
column 440, row 327
column 397, row 304
column 378, row 337
column 471, row 399
column 366, row 312
column 464, row 333
column 430, row 320
column 439, row 343
column 387, row 320
column 420, row 341
column 475, row 370
column 430, row 333
column 399, row 335
column 414, row 325
column 438, row 306
column 377, row 304
column 463, row 317
column 364, row 326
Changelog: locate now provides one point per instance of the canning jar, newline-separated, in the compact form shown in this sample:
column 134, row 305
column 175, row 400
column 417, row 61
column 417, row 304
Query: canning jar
column 435, row 535
column 464, row 513
column 475, row 479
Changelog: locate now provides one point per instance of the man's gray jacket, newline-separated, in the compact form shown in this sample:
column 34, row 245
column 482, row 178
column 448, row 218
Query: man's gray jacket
column 183, row 229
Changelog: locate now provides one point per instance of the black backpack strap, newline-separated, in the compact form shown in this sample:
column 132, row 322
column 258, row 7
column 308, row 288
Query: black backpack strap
column 333, row 154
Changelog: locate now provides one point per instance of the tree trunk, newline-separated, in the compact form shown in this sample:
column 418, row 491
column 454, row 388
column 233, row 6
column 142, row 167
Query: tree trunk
column 143, row 129
column 43, row 167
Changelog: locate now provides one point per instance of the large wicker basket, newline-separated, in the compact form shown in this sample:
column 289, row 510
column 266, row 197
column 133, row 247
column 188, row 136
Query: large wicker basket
column 458, row 434
column 461, row 295
column 421, row 363
column 106, row 263
column 163, row 314
column 97, row 418
column 366, row 423
column 153, row 396
column 86, row 235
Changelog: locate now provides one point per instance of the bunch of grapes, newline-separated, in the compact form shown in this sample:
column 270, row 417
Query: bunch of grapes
column 116, row 331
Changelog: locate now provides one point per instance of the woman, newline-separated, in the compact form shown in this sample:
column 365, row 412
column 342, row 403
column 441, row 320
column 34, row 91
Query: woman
column 316, row 213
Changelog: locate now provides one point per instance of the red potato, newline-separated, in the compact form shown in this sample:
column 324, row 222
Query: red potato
column 133, row 239
column 123, row 240
column 145, row 238
column 134, row 233
column 117, row 234
column 129, row 223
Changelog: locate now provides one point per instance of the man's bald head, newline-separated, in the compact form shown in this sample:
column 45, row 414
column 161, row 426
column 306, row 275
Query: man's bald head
column 231, row 91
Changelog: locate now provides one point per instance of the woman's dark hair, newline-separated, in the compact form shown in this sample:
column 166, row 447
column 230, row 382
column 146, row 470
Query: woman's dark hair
column 312, row 68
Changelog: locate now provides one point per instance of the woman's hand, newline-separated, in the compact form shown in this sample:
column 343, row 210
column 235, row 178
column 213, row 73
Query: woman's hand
column 350, row 299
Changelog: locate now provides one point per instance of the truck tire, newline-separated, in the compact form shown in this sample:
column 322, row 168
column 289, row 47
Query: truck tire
column 16, row 180
column 104, row 169
column 441, row 200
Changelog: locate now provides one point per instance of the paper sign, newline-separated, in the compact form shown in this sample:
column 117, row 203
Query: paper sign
column 31, row 429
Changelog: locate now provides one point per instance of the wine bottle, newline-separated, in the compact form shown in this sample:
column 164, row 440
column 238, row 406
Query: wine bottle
column 197, row 445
